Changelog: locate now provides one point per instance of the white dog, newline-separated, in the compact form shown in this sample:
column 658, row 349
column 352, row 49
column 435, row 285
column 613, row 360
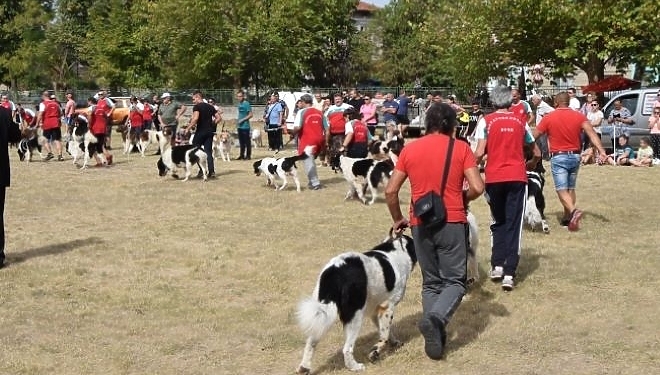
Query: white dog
column 256, row 138
column 222, row 144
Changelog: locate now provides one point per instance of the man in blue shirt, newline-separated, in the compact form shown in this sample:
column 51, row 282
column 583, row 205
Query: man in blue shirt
column 402, row 119
column 273, row 119
column 389, row 109
column 243, row 119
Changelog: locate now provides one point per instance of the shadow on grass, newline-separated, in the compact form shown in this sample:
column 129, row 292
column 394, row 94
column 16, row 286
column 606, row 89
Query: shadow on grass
column 529, row 262
column 55, row 249
column 404, row 330
column 334, row 180
column 560, row 215
column 471, row 319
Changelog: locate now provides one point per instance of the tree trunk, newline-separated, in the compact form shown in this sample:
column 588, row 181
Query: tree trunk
column 595, row 69
column 638, row 75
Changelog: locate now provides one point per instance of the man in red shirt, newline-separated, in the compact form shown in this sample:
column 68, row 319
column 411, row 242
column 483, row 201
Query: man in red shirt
column 310, row 127
column 564, row 127
column 505, row 134
column 49, row 119
column 441, row 253
column 520, row 107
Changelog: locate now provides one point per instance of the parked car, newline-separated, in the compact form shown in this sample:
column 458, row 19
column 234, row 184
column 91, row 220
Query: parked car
column 640, row 104
column 119, row 115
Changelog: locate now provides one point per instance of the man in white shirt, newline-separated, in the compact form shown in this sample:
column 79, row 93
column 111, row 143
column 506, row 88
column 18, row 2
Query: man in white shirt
column 542, row 109
column 574, row 102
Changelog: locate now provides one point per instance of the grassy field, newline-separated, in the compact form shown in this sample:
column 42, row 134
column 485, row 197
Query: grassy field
column 119, row 271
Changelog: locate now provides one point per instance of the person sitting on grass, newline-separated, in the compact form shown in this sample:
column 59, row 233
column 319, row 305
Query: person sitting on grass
column 624, row 153
column 644, row 157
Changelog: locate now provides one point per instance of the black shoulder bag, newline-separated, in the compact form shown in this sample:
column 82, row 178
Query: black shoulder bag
column 430, row 208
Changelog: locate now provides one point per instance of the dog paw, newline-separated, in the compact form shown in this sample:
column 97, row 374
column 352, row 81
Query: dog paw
column 374, row 355
column 303, row 370
column 357, row 367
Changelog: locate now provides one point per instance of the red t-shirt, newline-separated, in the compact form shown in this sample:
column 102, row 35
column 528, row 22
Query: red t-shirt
column 564, row 128
column 520, row 110
column 505, row 137
column 136, row 119
column 424, row 161
column 51, row 115
column 97, row 124
column 311, row 131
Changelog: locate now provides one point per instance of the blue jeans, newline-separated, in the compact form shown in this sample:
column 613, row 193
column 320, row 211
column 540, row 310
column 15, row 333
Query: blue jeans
column 565, row 170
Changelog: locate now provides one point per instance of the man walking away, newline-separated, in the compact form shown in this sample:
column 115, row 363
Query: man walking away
column 564, row 127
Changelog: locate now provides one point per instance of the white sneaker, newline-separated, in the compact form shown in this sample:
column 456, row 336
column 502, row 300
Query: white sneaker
column 496, row 273
column 656, row 161
column 507, row 283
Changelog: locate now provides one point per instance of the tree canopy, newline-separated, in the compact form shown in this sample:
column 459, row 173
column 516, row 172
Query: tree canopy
column 289, row 43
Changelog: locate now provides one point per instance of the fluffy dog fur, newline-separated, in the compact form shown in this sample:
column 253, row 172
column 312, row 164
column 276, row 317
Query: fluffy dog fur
column 222, row 143
column 362, row 174
column 31, row 142
column 81, row 139
column 182, row 156
column 255, row 137
column 281, row 167
column 535, row 205
column 351, row 287
column 147, row 137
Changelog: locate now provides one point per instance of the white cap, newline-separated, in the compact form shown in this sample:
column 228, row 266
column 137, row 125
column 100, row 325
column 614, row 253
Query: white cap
column 165, row 95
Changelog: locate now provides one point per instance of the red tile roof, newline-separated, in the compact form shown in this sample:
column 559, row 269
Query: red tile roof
column 366, row 7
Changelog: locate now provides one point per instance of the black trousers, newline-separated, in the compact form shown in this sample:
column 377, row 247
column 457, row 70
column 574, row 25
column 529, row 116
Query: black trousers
column 274, row 136
column 507, row 206
column 2, row 223
column 205, row 140
column 655, row 145
column 245, row 143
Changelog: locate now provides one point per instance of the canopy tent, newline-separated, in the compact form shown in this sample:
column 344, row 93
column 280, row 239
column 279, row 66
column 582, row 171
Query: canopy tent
column 611, row 83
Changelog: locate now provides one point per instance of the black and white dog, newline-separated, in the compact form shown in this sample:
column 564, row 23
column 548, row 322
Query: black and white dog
column 281, row 167
column 354, row 286
column 81, row 141
column 535, row 205
column 182, row 156
column 362, row 174
column 30, row 143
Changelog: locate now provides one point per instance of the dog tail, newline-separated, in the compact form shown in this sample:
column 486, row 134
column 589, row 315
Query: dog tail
column 308, row 152
column 316, row 318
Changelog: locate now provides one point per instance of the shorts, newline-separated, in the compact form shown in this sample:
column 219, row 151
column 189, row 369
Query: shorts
column 69, row 121
column 53, row 134
column 402, row 119
column 565, row 170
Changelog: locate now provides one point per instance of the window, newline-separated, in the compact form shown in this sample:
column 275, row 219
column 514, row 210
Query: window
column 628, row 101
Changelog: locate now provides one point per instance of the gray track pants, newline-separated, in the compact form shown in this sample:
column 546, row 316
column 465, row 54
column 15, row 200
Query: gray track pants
column 442, row 258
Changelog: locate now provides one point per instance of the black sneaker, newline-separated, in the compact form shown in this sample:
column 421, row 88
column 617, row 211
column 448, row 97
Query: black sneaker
column 317, row 187
column 49, row 156
column 564, row 222
column 60, row 158
column 212, row 175
column 240, row 158
column 435, row 336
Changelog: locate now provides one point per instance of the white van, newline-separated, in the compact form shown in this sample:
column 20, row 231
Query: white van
column 640, row 104
column 290, row 98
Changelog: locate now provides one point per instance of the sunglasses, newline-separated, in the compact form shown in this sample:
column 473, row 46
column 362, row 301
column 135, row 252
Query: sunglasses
column 367, row 98
column 594, row 105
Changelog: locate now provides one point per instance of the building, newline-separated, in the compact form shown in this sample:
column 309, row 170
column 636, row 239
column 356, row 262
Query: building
column 363, row 14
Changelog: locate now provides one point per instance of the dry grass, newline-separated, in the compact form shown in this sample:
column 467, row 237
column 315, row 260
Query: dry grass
column 118, row 271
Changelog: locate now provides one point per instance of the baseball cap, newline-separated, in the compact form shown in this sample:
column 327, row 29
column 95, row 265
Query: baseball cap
column 165, row 95
column 53, row 97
